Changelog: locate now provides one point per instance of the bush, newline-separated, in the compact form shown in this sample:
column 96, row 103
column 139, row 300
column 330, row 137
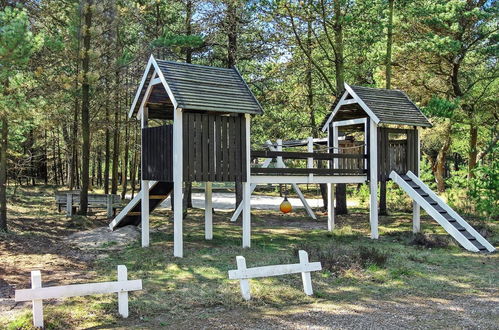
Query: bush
column 484, row 189
column 338, row 260
column 430, row 241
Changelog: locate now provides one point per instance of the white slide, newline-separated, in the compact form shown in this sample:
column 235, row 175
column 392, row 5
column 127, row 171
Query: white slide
column 452, row 222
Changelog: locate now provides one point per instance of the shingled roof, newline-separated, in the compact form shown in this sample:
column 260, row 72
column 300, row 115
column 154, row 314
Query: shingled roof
column 199, row 87
column 386, row 106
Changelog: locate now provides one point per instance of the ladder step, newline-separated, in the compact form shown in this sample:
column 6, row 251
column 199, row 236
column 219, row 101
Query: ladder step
column 158, row 196
column 134, row 213
column 468, row 236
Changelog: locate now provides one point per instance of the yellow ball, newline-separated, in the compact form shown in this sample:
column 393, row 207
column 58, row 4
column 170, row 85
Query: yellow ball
column 286, row 206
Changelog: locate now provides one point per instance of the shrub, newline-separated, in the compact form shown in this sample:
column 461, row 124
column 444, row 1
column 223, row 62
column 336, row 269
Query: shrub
column 430, row 241
column 338, row 260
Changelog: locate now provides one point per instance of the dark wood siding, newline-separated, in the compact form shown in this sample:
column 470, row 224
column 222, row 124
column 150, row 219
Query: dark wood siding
column 157, row 153
column 397, row 155
column 214, row 147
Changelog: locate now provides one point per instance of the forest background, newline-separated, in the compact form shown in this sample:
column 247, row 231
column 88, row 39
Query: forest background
column 69, row 70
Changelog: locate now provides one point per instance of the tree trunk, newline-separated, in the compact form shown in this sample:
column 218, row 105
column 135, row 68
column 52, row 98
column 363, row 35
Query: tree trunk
column 473, row 152
column 389, row 44
column 232, row 34
column 439, row 165
column 125, row 162
column 3, row 174
column 116, row 140
column 339, row 63
column 99, row 168
column 107, row 156
column 85, row 111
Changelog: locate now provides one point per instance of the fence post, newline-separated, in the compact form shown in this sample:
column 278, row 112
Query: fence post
column 36, row 282
column 310, row 160
column 109, row 206
column 305, row 276
column 244, row 283
column 69, row 205
column 122, row 296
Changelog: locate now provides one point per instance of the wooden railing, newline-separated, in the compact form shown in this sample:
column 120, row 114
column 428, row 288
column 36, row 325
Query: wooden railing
column 309, row 156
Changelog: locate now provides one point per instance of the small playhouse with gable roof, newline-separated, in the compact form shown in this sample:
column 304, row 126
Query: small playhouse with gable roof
column 204, row 115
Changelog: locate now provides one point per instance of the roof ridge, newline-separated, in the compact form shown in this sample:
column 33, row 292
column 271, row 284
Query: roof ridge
column 192, row 64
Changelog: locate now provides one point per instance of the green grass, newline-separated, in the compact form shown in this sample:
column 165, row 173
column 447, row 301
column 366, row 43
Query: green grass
column 196, row 287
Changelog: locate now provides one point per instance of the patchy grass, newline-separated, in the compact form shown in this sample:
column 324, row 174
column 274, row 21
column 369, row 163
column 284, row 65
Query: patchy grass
column 388, row 282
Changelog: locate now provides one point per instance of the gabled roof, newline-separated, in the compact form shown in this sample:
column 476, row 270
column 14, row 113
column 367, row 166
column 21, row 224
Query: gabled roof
column 384, row 106
column 201, row 88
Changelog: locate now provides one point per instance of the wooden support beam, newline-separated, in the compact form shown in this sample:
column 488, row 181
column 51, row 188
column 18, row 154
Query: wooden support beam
column 247, row 188
column 178, row 249
column 161, row 197
column 373, row 178
column 208, row 211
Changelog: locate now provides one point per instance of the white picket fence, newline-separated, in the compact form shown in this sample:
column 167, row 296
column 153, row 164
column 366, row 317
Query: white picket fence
column 37, row 293
column 243, row 274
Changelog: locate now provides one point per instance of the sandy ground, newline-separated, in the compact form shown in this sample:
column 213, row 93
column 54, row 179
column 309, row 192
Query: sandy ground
column 227, row 201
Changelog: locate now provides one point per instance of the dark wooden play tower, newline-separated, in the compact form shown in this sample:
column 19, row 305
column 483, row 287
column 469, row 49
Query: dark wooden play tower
column 195, row 128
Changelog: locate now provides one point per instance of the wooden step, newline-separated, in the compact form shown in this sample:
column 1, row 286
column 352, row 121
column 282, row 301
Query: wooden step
column 134, row 213
column 158, row 196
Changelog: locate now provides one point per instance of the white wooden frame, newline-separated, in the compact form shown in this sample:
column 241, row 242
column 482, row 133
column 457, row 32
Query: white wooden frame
column 208, row 211
column 279, row 164
column 247, row 187
column 37, row 293
column 373, row 178
column 416, row 210
column 344, row 101
column 178, row 180
column 437, row 215
column 243, row 274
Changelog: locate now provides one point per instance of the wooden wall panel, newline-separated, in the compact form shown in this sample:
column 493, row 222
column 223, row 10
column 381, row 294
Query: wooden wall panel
column 215, row 148
column 157, row 156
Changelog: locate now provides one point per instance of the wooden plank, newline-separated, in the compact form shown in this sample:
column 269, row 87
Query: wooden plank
column 198, row 154
column 232, row 149
column 304, row 155
column 205, row 169
column 244, row 160
column 75, row 290
column 286, row 171
column 190, row 146
column 158, row 196
column 211, row 147
column 218, row 149
column 277, row 270
column 187, row 142
column 237, row 149
column 225, row 150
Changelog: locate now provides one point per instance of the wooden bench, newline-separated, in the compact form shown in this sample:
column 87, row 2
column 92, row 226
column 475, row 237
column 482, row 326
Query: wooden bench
column 70, row 200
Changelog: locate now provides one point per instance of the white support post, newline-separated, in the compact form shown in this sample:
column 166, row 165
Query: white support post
column 247, row 188
column 416, row 209
column 373, row 178
column 69, row 205
column 244, row 283
column 336, row 145
column 109, row 206
column 279, row 148
column 178, row 249
column 122, row 295
column 208, row 211
column 330, row 186
column 310, row 160
column 305, row 276
column 36, row 283
column 144, row 205
column 330, row 206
